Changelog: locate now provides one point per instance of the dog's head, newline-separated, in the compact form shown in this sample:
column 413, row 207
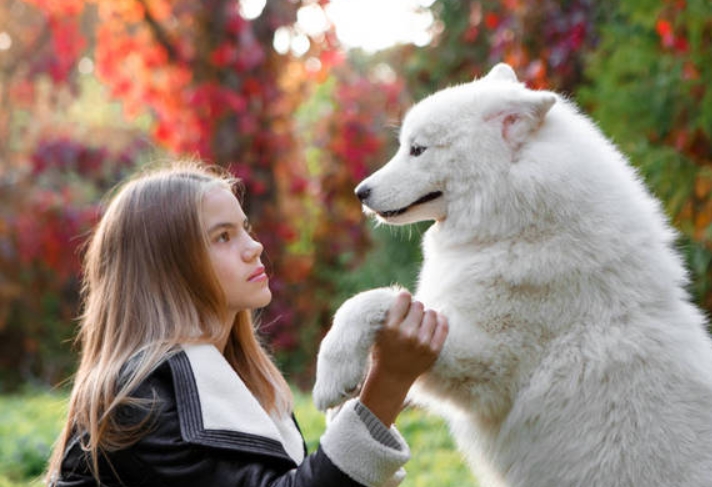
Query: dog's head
column 455, row 146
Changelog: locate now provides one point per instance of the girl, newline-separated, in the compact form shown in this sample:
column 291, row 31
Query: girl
column 173, row 387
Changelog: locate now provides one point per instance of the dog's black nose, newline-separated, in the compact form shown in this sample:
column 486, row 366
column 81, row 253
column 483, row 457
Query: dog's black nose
column 363, row 192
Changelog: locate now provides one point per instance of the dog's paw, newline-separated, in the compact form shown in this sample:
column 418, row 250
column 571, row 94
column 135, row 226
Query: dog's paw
column 343, row 354
column 337, row 381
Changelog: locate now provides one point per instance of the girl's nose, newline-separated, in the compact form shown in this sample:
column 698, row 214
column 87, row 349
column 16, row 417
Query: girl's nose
column 253, row 250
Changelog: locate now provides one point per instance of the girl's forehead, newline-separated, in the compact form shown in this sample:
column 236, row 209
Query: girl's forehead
column 220, row 202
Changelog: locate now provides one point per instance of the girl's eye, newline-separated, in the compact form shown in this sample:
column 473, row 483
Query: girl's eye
column 224, row 237
column 416, row 150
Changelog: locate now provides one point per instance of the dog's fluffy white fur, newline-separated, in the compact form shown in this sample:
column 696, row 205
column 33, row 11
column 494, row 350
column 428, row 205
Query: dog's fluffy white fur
column 574, row 356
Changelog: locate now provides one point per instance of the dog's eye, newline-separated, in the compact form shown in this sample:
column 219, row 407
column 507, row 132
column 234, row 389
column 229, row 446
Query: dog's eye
column 416, row 150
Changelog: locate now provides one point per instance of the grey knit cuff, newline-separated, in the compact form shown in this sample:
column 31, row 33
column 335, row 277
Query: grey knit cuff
column 376, row 428
column 353, row 448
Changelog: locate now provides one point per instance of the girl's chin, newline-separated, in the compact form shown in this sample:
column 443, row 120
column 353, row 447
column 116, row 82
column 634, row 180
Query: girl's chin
column 266, row 299
column 255, row 302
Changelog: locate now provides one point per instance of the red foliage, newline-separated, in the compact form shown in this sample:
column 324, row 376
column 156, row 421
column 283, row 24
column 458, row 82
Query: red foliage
column 669, row 40
column 67, row 46
column 355, row 143
column 45, row 213
column 45, row 232
column 544, row 39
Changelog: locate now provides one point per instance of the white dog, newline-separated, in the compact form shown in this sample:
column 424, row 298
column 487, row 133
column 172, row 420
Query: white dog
column 574, row 356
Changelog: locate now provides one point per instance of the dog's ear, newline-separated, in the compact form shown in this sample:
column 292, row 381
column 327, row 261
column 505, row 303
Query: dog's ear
column 501, row 72
column 522, row 116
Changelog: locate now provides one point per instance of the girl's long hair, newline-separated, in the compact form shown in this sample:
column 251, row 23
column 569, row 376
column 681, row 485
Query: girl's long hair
column 149, row 286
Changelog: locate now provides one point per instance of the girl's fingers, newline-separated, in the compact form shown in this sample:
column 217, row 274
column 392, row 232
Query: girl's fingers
column 398, row 310
column 440, row 334
column 427, row 327
column 411, row 323
column 409, row 319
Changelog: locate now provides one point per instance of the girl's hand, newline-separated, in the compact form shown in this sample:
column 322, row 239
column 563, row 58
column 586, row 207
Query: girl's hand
column 407, row 345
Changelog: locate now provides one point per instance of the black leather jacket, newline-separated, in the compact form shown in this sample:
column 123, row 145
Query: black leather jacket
column 181, row 450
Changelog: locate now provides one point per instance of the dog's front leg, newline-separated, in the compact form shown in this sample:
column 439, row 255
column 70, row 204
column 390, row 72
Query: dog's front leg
column 343, row 354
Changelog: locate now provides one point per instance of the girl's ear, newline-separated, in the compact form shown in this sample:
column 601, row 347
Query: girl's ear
column 521, row 117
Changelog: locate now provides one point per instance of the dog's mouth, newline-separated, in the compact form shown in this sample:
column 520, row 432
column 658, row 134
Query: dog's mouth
column 424, row 199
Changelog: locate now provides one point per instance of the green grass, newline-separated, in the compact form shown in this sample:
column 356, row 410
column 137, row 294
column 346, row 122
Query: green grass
column 29, row 425
column 30, row 422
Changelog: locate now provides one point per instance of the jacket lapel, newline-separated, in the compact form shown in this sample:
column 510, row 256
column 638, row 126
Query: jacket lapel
column 217, row 409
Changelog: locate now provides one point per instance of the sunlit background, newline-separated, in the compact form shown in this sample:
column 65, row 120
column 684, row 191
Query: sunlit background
column 371, row 25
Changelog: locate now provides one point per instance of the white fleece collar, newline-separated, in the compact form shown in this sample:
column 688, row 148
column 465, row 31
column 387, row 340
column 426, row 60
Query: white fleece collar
column 227, row 406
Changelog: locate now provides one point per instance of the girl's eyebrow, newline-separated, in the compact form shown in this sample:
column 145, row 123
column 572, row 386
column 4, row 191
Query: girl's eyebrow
column 230, row 226
column 222, row 225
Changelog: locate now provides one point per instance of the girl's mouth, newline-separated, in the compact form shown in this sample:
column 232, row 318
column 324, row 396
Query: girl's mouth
column 258, row 275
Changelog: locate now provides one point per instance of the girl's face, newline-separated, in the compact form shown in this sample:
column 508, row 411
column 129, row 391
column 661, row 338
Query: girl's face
column 235, row 255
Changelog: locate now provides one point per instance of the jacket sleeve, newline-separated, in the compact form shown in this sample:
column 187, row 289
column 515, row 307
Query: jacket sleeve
column 170, row 462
